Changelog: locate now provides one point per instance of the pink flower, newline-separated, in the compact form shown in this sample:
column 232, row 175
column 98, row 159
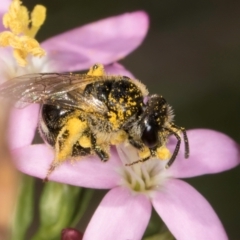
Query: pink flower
column 125, row 210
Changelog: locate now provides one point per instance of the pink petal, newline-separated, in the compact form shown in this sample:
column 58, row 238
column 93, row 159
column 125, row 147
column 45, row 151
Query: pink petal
column 22, row 126
column 210, row 152
column 4, row 6
column 122, row 214
column 186, row 212
column 89, row 172
column 104, row 41
column 3, row 9
column 118, row 69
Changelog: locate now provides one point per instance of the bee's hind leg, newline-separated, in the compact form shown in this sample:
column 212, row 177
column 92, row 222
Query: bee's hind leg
column 52, row 167
column 68, row 141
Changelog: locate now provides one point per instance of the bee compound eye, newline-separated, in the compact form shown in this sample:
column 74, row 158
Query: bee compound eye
column 150, row 136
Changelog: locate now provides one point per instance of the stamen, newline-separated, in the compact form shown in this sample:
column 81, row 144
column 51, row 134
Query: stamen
column 21, row 35
column 16, row 19
column 144, row 177
column 38, row 17
column 20, row 56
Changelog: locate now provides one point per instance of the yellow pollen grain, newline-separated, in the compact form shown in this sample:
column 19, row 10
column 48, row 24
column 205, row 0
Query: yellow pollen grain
column 163, row 153
column 128, row 113
column 113, row 119
column 22, row 31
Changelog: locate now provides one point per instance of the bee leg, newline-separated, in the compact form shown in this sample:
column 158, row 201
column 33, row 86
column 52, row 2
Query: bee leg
column 138, row 161
column 136, row 144
column 103, row 155
column 143, row 151
column 50, row 170
column 67, row 138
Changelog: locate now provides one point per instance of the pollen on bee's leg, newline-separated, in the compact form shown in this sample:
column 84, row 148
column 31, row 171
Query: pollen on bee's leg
column 144, row 153
column 163, row 153
column 85, row 141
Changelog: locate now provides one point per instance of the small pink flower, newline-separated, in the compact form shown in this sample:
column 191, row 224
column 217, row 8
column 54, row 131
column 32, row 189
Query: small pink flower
column 126, row 209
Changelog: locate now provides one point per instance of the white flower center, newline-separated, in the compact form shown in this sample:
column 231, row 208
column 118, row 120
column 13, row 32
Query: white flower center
column 144, row 177
column 9, row 69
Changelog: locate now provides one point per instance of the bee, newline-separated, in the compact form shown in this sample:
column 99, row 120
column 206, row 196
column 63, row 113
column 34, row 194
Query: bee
column 84, row 114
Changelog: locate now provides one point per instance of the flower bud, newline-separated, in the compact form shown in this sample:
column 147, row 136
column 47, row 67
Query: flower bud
column 71, row 234
column 61, row 206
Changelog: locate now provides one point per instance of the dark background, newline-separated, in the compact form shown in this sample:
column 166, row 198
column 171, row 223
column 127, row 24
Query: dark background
column 192, row 55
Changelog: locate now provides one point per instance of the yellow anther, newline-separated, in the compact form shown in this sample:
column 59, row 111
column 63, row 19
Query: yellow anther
column 38, row 15
column 6, row 38
column 32, row 46
column 21, row 35
column 17, row 19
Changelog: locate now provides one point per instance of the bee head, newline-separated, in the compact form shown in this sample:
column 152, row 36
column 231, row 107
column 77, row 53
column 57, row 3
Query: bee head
column 154, row 117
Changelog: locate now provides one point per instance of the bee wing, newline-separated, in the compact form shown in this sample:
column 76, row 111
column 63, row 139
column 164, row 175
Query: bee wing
column 62, row 89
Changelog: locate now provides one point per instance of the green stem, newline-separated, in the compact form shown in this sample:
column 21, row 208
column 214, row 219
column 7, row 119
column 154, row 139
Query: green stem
column 23, row 214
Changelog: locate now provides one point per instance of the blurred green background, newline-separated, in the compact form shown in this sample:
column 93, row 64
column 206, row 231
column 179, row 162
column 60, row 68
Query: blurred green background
column 192, row 55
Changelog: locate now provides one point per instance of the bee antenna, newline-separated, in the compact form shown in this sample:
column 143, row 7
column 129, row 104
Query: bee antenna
column 186, row 144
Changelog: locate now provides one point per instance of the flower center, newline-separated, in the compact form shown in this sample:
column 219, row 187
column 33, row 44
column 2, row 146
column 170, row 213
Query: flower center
column 141, row 177
column 22, row 30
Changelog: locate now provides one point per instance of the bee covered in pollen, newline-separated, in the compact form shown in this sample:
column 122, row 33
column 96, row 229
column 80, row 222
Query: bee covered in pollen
column 84, row 114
